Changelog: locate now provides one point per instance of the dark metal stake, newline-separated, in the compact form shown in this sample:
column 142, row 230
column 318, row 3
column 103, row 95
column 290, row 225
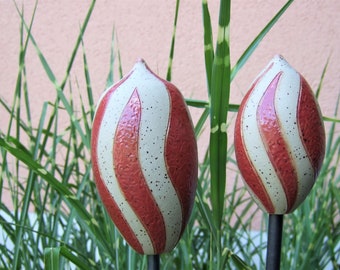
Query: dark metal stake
column 153, row 262
column 274, row 242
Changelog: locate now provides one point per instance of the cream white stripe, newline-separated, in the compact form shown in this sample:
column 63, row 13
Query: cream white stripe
column 154, row 123
column 115, row 107
column 256, row 149
column 286, row 102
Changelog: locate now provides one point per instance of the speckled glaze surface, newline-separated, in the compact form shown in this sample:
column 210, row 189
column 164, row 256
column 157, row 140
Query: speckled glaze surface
column 279, row 138
column 144, row 157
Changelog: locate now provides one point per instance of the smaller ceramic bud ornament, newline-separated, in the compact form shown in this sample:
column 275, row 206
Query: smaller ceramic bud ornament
column 144, row 158
column 279, row 138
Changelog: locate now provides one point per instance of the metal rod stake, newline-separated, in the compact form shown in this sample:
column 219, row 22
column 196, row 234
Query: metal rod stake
column 274, row 242
column 153, row 262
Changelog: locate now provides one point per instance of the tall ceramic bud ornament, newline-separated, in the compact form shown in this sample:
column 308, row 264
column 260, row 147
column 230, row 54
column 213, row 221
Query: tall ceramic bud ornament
column 144, row 158
column 279, row 138
column 279, row 146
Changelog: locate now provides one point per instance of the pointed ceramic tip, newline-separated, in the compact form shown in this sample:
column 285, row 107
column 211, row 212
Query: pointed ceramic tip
column 140, row 63
column 140, row 60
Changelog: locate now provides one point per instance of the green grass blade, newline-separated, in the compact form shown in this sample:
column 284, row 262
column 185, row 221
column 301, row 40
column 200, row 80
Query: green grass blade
column 220, row 91
column 85, row 137
column 203, row 204
column 88, row 84
column 51, row 258
column 17, row 98
column 208, row 43
column 172, row 47
column 330, row 119
column 20, row 77
column 120, row 66
column 110, row 75
column 200, row 123
column 332, row 129
column 237, row 261
column 197, row 103
column 53, row 255
column 253, row 45
column 318, row 89
column 78, row 42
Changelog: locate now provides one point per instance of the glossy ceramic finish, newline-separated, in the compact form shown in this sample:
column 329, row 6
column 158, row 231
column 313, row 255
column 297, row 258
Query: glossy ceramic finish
column 145, row 159
column 279, row 138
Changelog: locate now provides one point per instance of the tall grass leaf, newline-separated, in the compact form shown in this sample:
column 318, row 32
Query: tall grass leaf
column 15, row 115
column 120, row 65
column 208, row 43
column 331, row 145
column 35, row 190
column 197, row 103
column 318, row 89
column 253, row 45
column 172, row 47
column 330, row 119
column 237, row 261
column 84, row 118
column 88, row 84
column 201, row 199
column 78, row 42
column 51, row 258
column 53, row 255
column 110, row 75
column 205, row 213
column 22, row 69
column 220, row 92
column 85, row 138
column 201, row 121
column 20, row 76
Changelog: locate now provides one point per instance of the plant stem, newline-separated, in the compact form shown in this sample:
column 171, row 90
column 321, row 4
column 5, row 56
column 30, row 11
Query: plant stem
column 153, row 262
column 274, row 242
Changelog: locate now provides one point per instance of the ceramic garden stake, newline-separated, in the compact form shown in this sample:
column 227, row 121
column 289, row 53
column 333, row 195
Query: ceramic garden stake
column 144, row 157
column 279, row 142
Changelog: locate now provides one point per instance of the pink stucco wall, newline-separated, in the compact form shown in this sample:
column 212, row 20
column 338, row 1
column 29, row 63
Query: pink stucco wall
column 306, row 36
